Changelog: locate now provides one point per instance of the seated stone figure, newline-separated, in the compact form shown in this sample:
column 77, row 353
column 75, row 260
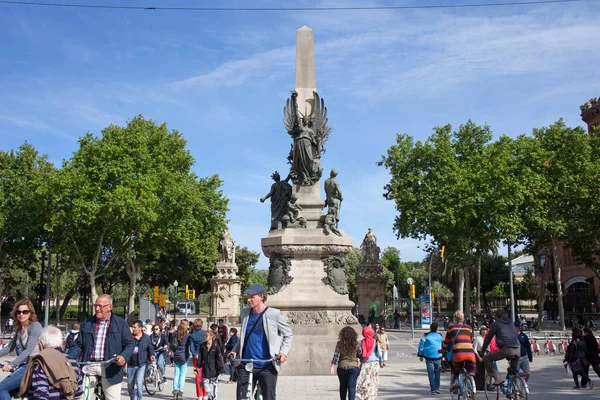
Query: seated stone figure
column 293, row 208
column 330, row 222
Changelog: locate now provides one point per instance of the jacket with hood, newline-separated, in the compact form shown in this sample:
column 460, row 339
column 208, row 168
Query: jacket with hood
column 506, row 335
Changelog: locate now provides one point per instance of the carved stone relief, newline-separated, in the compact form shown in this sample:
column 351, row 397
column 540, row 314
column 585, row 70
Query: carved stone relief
column 279, row 273
column 336, row 275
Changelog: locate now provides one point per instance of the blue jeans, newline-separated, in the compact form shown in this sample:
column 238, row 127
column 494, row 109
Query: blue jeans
column 348, row 379
column 135, row 377
column 11, row 384
column 433, row 371
column 160, row 363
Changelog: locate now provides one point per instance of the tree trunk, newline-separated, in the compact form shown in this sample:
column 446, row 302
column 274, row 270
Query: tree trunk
column 478, row 294
column 461, row 290
column 468, row 293
column 559, row 293
column 133, row 272
column 56, row 310
column 68, row 296
column 542, row 293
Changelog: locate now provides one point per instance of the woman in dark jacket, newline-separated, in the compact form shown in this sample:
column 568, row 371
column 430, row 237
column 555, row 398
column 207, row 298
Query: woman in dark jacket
column 160, row 345
column 575, row 357
column 180, row 346
column 211, row 361
column 591, row 349
column 233, row 340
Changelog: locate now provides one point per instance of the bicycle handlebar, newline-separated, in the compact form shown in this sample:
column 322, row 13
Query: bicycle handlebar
column 252, row 360
column 110, row 360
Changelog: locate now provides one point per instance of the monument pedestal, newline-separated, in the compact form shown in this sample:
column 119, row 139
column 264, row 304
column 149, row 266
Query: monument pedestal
column 225, row 288
column 370, row 289
column 307, row 283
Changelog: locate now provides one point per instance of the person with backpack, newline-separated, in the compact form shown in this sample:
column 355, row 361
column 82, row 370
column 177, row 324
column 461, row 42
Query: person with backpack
column 211, row 363
column 576, row 360
column 429, row 349
column 143, row 351
column 233, row 341
column 51, row 374
column 197, row 337
column 71, row 337
column 180, row 346
column 458, row 344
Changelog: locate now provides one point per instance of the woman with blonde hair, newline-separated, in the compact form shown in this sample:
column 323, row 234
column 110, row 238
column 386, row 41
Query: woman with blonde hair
column 459, row 340
column 180, row 347
column 25, row 341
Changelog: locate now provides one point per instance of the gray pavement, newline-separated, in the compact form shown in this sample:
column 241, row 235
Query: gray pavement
column 404, row 377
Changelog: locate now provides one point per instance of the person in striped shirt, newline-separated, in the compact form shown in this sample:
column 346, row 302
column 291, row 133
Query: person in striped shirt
column 459, row 339
column 68, row 377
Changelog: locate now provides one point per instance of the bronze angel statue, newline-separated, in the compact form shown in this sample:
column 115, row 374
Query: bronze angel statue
column 310, row 132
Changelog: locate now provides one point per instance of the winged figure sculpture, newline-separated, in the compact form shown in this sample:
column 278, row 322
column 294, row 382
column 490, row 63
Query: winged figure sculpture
column 310, row 133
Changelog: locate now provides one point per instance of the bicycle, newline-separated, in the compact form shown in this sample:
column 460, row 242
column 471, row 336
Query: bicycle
column 514, row 387
column 253, row 393
column 466, row 386
column 87, row 379
column 15, row 397
column 153, row 379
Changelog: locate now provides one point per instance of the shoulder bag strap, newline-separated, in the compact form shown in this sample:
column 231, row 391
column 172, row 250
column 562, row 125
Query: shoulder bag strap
column 454, row 340
column 247, row 336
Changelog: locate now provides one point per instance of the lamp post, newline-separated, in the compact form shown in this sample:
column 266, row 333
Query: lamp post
column 175, row 301
column 512, row 291
column 410, row 281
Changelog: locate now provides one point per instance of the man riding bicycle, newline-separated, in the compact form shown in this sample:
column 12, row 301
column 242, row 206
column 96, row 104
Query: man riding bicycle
column 264, row 333
column 508, row 342
column 103, row 336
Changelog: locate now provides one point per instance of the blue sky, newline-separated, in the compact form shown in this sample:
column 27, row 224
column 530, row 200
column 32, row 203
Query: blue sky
column 221, row 78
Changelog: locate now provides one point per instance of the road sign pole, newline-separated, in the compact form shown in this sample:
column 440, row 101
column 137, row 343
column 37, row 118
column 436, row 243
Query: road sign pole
column 412, row 320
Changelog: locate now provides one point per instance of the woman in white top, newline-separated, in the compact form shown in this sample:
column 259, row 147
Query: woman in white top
column 480, row 370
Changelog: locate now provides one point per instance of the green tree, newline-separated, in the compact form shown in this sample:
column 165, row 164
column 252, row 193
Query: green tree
column 130, row 196
column 353, row 259
column 449, row 189
column 259, row 276
column 246, row 261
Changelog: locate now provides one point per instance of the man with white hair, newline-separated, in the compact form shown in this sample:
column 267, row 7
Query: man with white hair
column 52, row 374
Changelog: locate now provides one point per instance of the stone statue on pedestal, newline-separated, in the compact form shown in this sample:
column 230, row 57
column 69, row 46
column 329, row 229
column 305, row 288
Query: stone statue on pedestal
column 369, row 249
column 225, row 285
column 280, row 194
column 310, row 132
column 227, row 248
column 333, row 195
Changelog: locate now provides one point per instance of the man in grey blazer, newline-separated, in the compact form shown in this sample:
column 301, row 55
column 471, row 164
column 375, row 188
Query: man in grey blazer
column 263, row 335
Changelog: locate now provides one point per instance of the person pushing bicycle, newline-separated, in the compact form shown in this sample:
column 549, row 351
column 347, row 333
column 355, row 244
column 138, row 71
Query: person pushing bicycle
column 264, row 333
column 104, row 336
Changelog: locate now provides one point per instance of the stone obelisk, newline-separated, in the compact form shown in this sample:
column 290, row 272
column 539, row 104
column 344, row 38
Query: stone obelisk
column 306, row 264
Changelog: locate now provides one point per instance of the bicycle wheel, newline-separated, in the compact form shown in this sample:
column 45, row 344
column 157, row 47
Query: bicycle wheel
column 491, row 392
column 519, row 388
column 471, row 391
column 151, row 380
column 161, row 382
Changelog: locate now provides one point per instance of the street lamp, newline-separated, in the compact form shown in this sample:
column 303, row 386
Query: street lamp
column 175, row 300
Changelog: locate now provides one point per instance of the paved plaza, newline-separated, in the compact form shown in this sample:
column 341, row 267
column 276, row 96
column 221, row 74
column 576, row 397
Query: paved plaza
column 404, row 378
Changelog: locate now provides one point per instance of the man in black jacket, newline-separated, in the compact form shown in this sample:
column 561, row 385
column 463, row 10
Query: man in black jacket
column 508, row 342
column 104, row 336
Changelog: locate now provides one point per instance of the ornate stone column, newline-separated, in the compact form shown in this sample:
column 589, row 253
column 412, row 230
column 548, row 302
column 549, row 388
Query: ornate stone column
column 370, row 282
column 225, row 286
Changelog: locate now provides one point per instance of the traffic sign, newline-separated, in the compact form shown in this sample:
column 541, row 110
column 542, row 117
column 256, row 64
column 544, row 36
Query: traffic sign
column 410, row 281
